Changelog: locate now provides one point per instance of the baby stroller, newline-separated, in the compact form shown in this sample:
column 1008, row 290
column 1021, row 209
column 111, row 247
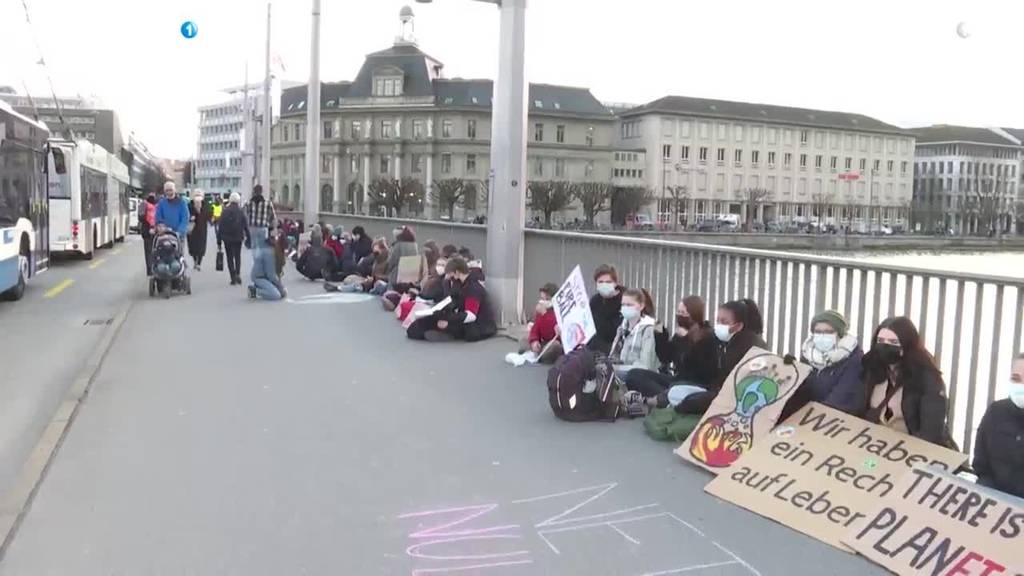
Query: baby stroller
column 168, row 266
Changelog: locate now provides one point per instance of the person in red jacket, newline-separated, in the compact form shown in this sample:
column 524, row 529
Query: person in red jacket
column 543, row 339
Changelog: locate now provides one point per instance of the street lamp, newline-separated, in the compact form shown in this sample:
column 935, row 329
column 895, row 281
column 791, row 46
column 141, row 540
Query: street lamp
column 507, row 205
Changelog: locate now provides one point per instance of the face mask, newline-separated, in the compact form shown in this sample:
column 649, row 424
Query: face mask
column 629, row 312
column 684, row 322
column 543, row 304
column 722, row 332
column 825, row 342
column 889, row 354
column 606, row 289
column 1017, row 394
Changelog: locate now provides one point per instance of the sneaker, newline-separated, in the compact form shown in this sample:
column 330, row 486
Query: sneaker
column 252, row 292
column 437, row 336
column 197, row 268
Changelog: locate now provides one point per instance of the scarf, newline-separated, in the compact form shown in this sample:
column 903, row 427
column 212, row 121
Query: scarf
column 820, row 360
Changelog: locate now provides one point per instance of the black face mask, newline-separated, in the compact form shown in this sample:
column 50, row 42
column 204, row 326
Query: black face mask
column 684, row 322
column 888, row 354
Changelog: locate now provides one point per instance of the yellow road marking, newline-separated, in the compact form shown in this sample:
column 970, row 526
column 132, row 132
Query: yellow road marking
column 97, row 264
column 53, row 292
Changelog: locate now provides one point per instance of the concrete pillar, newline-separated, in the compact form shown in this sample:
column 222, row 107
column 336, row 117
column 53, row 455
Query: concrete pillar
column 428, row 204
column 366, row 184
column 398, row 166
column 336, row 169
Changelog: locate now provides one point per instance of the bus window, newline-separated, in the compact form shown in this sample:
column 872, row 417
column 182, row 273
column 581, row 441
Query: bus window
column 58, row 161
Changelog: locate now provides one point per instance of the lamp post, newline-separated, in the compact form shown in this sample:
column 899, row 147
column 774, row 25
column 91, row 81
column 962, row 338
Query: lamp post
column 311, row 201
column 507, row 202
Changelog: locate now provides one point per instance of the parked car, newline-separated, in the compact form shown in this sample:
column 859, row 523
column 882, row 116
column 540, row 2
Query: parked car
column 707, row 226
column 133, row 221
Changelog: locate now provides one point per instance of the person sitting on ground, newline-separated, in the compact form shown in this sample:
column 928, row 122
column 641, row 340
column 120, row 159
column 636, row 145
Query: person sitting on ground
column 362, row 244
column 405, row 245
column 333, row 243
column 371, row 272
column 449, row 251
column 834, row 355
column 543, row 338
column 738, row 328
column 689, row 354
column 605, row 307
column 903, row 386
column 266, row 284
column 315, row 259
column 468, row 317
column 999, row 447
column 633, row 347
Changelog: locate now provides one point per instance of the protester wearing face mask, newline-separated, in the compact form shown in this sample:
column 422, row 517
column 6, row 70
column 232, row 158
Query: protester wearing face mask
column 633, row 346
column 544, row 334
column 834, row 355
column 605, row 307
column 689, row 356
column 999, row 448
column 469, row 315
column 903, row 385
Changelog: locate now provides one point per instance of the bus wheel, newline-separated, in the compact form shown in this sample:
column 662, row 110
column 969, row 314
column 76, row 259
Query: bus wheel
column 19, row 289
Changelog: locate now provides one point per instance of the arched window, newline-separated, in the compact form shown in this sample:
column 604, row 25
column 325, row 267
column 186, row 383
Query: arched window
column 284, row 195
column 327, row 198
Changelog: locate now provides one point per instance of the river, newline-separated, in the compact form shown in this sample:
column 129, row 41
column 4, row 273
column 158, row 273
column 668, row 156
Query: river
column 1009, row 264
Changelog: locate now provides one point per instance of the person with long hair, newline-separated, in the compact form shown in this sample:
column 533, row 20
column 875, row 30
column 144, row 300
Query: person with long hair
column 903, row 385
column 633, row 347
column 688, row 355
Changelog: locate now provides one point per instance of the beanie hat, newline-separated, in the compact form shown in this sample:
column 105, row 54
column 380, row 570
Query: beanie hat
column 833, row 319
column 316, row 238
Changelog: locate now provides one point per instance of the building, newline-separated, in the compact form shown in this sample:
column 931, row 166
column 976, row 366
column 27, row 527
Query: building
column 82, row 118
column 966, row 179
column 222, row 141
column 400, row 117
column 1018, row 134
column 784, row 164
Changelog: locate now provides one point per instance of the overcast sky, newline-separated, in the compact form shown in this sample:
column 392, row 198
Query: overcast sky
column 898, row 60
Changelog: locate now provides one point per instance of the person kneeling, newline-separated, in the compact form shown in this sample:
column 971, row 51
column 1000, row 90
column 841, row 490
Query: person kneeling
column 468, row 317
column 266, row 284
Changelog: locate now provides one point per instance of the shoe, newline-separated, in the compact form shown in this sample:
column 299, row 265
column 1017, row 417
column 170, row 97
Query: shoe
column 437, row 336
column 328, row 287
column 197, row 268
column 252, row 292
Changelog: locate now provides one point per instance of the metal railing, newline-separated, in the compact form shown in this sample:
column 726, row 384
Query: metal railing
column 972, row 323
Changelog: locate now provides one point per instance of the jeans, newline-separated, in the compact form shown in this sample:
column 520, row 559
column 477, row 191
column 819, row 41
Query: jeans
column 257, row 240
column 265, row 289
column 233, row 253
column 379, row 288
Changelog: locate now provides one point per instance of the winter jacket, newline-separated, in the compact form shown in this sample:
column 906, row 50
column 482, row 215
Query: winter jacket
column 399, row 251
column 999, row 448
column 924, row 401
column 173, row 214
column 691, row 361
column 233, row 226
column 634, row 347
column 264, row 267
column 259, row 213
column 607, row 313
column 543, row 329
column 147, row 217
column 200, row 218
column 313, row 262
column 361, row 248
column 335, row 246
column 836, row 386
column 471, row 307
column 729, row 355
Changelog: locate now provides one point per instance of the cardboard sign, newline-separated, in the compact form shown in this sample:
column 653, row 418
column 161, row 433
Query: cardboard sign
column 747, row 407
column 822, row 471
column 410, row 269
column 572, row 311
column 936, row 523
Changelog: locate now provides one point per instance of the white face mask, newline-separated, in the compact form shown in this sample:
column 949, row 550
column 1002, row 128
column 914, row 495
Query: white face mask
column 825, row 342
column 722, row 332
column 1016, row 395
column 543, row 304
column 440, row 269
column 606, row 289
column 630, row 312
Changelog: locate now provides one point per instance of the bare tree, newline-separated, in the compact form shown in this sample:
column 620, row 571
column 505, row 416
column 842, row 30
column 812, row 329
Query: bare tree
column 751, row 198
column 549, row 197
column 628, row 200
column 680, row 194
column 451, row 192
column 394, row 196
column 820, row 204
column 594, row 197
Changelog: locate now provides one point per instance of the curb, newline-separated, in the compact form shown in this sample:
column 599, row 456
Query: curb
column 15, row 504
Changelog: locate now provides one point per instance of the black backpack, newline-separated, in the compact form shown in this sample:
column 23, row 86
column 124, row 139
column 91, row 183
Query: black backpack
column 566, row 380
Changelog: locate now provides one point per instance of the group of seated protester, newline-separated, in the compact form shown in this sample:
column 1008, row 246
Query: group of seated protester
column 896, row 383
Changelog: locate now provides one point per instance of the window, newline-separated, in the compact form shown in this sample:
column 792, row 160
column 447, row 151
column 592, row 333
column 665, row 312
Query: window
column 863, row 143
column 738, row 130
column 357, row 130
column 804, row 135
column 684, row 153
column 833, row 163
column 471, row 129
column 385, row 164
column 848, row 142
column 889, row 165
column 787, row 160
column 863, row 164
column 803, row 161
column 773, row 136
column 353, row 164
column 386, row 129
column 417, row 129
column 387, row 86
column 417, row 163
column 819, row 139
column 446, row 128
column 755, row 134
column 684, row 128
column 560, row 134
column 703, row 154
column 328, row 130
column 719, row 182
column 298, row 132
column 876, row 166
column 721, row 129
column 833, row 139
column 737, row 156
column 817, row 161
column 538, row 167
column 942, row 168
column 325, row 163
column 538, row 132
column 787, row 137
column 666, row 151
column 949, row 167
column 702, row 130
column 848, row 164
column 446, row 163
column 878, row 143
column 903, row 168
column 470, row 163
column 721, row 155
column 590, row 136
column 890, row 145
column 755, row 157
column 559, row 168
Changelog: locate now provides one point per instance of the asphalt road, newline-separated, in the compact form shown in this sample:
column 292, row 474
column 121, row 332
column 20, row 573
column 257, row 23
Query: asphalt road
column 44, row 341
column 224, row 436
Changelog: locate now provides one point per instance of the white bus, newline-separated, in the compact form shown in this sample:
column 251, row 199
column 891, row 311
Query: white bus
column 23, row 235
column 88, row 193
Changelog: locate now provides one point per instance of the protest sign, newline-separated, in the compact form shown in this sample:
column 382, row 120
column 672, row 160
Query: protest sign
column 822, row 471
column 572, row 310
column 747, row 407
column 936, row 523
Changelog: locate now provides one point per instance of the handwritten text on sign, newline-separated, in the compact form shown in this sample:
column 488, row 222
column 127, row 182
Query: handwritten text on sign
column 821, row 471
column 934, row 523
column 572, row 310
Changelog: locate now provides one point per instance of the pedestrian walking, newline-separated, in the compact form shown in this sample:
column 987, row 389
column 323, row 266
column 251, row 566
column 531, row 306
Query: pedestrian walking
column 233, row 232
column 260, row 217
column 147, row 228
column 200, row 214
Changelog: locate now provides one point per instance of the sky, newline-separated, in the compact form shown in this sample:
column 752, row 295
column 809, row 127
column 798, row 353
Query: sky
column 900, row 61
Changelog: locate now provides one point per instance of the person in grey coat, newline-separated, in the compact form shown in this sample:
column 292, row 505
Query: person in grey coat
column 266, row 284
column 405, row 245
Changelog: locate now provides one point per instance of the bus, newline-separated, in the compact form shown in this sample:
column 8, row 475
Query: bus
column 23, row 210
column 88, row 194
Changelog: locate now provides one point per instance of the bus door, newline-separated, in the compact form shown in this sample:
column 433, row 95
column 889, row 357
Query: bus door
column 59, row 195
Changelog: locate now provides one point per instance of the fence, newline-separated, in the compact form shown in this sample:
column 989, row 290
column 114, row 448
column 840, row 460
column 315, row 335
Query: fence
column 972, row 323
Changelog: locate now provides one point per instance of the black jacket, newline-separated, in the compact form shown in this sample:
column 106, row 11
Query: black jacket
column 470, row 297
column 999, row 448
column 360, row 248
column 233, row 225
column 729, row 354
column 314, row 260
column 924, row 401
column 607, row 313
column 691, row 361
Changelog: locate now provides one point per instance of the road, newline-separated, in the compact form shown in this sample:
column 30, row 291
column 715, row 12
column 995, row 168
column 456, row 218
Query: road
column 224, row 436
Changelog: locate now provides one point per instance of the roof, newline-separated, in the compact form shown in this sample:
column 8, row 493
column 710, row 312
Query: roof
column 543, row 98
column 415, row 66
column 1017, row 133
column 948, row 133
column 293, row 100
column 765, row 113
column 10, row 110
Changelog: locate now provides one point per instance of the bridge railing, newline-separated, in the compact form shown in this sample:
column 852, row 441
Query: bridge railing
column 972, row 323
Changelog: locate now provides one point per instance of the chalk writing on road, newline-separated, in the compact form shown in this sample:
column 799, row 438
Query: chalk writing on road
column 578, row 528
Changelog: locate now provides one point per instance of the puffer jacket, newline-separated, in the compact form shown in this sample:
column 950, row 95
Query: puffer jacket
column 635, row 348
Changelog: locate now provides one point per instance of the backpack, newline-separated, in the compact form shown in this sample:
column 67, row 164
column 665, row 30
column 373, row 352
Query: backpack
column 667, row 424
column 567, row 379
